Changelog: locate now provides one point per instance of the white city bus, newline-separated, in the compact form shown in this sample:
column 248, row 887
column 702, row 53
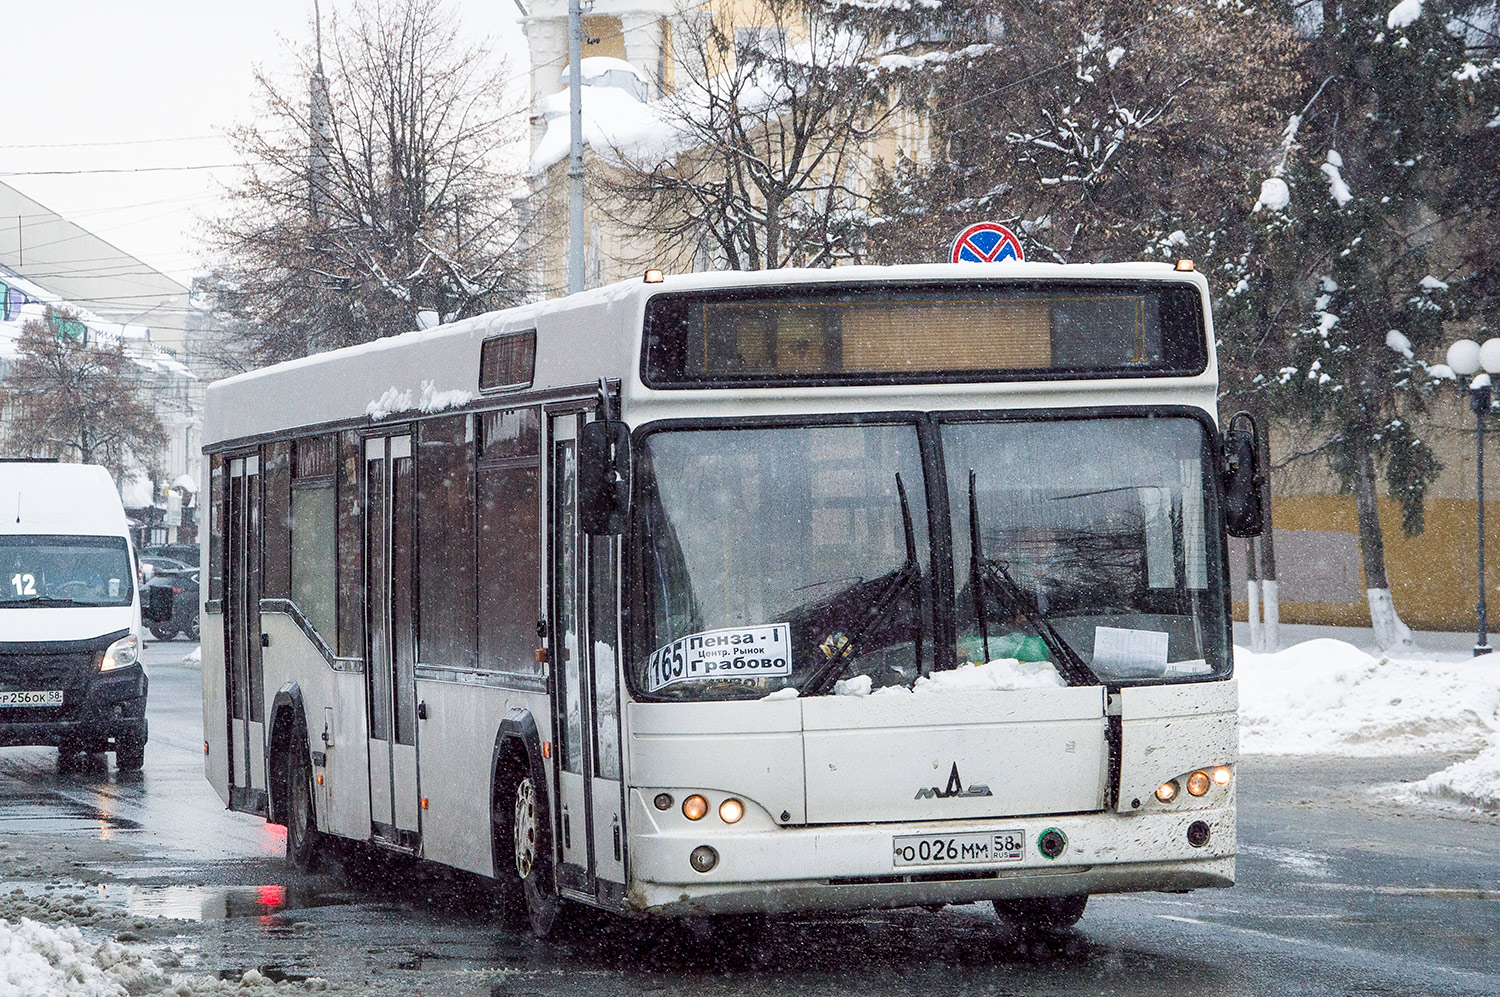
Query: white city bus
column 745, row 592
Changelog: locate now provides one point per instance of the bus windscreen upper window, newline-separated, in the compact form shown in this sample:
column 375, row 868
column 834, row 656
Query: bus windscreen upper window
column 822, row 335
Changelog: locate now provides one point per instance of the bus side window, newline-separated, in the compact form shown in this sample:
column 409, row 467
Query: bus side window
column 276, row 535
column 508, row 539
column 350, row 546
column 216, row 528
column 445, row 541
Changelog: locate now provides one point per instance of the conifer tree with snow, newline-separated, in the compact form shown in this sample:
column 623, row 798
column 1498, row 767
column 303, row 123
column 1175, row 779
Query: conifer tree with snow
column 1101, row 130
column 1351, row 221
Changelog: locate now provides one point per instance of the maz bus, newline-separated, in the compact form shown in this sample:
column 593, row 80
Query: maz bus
column 745, row 592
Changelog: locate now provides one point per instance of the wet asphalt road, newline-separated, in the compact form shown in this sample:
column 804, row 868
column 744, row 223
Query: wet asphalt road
column 1342, row 890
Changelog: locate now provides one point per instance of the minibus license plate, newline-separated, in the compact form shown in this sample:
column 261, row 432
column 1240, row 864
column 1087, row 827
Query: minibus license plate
column 960, row 849
column 46, row 697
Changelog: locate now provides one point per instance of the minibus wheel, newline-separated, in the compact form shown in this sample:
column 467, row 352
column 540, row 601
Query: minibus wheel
column 1034, row 914
column 130, row 752
column 303, row 840
column 531, row 853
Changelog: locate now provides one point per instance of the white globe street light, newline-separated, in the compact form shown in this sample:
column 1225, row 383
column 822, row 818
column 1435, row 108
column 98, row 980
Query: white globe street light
column 1463, row 357
column 1489, row 356
column 1466, row 357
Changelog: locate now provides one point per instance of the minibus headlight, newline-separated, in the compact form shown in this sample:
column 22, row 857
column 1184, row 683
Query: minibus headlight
column 731, row 810
column 1167, row 791
column 694, row 807
column 122, row 653
column 1198, row 783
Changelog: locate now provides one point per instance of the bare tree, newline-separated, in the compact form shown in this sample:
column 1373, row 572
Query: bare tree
column 380, row 193
column 768, row 128
column 79, row 401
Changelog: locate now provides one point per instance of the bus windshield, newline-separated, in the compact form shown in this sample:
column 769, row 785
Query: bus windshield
column 46, row 570
column 1096, row 529
column 783, row 558
column 794, row 558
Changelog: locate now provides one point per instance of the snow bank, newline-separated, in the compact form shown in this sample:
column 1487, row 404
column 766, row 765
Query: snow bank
column 1327, row 697
column 1475, row 780
column 36, row 958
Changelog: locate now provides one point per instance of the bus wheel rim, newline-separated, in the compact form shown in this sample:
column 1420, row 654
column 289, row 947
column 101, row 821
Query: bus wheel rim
column 525, row 825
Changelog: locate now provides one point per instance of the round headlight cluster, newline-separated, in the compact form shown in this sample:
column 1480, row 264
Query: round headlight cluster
column 1197, row 784
column 696, row 807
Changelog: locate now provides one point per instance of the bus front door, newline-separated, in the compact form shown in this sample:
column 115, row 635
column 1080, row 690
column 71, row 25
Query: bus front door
column 582, row 648
column 245, row 698
column 390, row 645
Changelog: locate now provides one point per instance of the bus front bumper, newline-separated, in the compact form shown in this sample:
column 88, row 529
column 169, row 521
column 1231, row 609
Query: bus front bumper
column 846, row 867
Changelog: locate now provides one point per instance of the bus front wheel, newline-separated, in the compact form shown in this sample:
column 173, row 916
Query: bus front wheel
column 530, row 841
column 303, row 840
column 1042, row 913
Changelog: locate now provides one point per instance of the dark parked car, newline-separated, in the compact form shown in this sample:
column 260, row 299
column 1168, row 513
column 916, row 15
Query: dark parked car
column 169, row 604
column 186, row 553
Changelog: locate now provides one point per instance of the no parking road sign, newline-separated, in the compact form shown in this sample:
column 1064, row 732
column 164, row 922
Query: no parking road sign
column 986, row 242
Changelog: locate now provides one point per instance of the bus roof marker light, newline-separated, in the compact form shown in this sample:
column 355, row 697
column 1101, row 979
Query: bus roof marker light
column 1186, row 266
column 654, row 276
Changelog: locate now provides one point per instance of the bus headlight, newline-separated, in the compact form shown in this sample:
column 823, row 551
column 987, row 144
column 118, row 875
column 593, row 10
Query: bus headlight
column 1167, row 791
column 1198, row 783
column 122, row 653
column 731, row 810
column 1221, row 775
column 694, row 807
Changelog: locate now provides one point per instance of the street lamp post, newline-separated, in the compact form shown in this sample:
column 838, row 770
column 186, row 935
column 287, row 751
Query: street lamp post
column 1466, row 357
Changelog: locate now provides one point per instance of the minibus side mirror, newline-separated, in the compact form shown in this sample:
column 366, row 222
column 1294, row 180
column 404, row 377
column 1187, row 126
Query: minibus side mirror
column 1241, row 477
column 158, row 607
column 604, row 477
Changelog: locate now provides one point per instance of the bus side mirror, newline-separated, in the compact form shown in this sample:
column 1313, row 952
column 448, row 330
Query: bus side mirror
column 604, row 477
column 1242, row 478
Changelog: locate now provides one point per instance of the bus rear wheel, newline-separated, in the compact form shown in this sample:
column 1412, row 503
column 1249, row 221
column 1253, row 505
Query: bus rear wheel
column 1033, row 914
column 303, row 840
column 531, row 855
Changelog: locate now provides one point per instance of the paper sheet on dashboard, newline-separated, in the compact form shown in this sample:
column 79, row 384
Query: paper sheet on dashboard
column 1130, row 651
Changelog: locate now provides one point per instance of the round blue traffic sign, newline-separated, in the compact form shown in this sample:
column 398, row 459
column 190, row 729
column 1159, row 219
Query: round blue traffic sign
column 986, row 242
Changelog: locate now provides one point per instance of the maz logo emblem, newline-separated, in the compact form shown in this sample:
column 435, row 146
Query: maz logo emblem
column 954, row 788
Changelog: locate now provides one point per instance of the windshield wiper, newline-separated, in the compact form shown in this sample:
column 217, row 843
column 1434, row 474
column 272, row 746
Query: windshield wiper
column 879, row 611
column 982, row 569
column 47, row 601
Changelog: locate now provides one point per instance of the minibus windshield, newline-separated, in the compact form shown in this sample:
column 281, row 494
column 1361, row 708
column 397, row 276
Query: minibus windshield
column 40, row 571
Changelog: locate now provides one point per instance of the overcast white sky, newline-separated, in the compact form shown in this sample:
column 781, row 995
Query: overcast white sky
column 102, row 85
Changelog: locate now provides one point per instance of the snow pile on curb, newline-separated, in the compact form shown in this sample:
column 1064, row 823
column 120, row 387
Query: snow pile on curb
column 1475, row 780
column 36, row 958
column 1326, row 697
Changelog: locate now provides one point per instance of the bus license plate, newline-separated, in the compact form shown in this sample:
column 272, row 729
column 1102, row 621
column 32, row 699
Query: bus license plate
column 960, row 849
column 45, row 697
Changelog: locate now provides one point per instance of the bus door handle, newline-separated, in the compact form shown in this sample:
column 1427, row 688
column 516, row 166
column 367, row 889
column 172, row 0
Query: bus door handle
column 422, row 710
